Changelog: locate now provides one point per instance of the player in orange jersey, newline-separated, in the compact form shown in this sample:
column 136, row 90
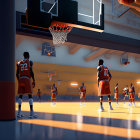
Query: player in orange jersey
column 131, row 95
column 54, row 94
column 82, row 93
column 116, row 94
column 103, row 77
column 24, row 74
column 39, row 94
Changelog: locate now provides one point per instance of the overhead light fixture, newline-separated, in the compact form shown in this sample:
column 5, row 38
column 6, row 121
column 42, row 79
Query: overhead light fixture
column 74, row 84
column 138, row 82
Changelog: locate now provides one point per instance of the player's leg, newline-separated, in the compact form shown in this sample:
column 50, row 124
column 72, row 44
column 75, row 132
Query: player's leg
column 31, row 107
column 19, row 106
column 130, row 101
column 117, row 99
column 81, row 98
column 101, row 109
column 54, row 101
column 109, row 100
column 117, row 102
column 84, row 100
column 124, row 99
column 40, row 97
column 133, row 99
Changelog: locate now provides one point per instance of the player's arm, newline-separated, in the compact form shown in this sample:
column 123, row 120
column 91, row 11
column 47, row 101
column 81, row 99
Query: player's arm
column 110, row 76
column 31, row 70
column 114, row 90
column 32, row 73
column 80, row 89
column 134, row 90
column 17, row 72
column 98, row 74
column 56, row 91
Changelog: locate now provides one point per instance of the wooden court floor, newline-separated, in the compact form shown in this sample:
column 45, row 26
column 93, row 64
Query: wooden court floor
column 70, row 121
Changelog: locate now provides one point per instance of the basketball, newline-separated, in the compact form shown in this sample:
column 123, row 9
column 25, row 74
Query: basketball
column 126, row 1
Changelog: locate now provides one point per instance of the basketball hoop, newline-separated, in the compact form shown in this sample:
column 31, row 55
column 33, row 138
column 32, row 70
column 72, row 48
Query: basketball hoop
column 59, row 32
column 51, row 75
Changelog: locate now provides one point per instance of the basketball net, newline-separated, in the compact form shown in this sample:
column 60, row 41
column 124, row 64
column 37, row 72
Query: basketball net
column 59, row 33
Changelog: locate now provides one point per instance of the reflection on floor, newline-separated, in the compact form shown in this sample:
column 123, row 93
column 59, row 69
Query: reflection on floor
column 70, row 121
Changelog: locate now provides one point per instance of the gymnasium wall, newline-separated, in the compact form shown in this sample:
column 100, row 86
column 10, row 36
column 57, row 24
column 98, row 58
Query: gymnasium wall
column 73, row 68
column 65, row 75
column 63, row 57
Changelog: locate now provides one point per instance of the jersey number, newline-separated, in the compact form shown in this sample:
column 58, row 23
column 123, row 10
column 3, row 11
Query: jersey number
column 24, row 67
column 105, row 72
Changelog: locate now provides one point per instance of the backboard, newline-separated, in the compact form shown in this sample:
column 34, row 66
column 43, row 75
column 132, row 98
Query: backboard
column 49, row 6
column 48, row 50
column 87, row 14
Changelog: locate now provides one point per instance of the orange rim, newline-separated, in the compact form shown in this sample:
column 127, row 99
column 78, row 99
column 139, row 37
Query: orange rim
column 60, row 26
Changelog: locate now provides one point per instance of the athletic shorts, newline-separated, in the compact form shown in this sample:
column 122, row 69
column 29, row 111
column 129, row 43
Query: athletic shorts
column 24, row 86
column 116, row 96
column 39, row 94
column 131, row 96
column 104, row 88
column 53, row 96
column 83, row 95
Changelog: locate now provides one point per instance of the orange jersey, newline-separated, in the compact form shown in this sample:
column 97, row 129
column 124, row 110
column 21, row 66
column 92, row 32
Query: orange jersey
column 54, row 90
column 116, row 90
column 24, row 68
column 131, row 90
column 38, row 93
column 83, row 89
column 103, row 73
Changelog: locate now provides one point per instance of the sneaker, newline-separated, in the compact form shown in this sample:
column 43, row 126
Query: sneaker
column 19, row 115
column 110, row 107
column 80, row 104
column 32, row 115
column 101, row 109
column 134, row 104
column 117, row 105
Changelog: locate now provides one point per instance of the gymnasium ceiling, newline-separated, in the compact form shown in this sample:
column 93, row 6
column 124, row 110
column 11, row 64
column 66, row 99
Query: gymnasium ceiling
column 73, row 48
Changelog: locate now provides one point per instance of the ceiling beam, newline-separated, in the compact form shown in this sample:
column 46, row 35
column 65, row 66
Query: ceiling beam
column 94, row 55
column 134, row 55
column 73, row 49
column 135, row 12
